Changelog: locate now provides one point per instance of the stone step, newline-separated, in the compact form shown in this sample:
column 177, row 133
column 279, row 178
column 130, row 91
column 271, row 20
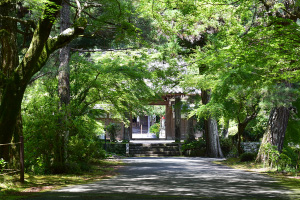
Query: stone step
column 153, row 155
column 154, row 145
column 154, row 152
column 154, row 149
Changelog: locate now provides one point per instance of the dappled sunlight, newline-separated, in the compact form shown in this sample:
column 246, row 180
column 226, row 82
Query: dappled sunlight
column 190, row 177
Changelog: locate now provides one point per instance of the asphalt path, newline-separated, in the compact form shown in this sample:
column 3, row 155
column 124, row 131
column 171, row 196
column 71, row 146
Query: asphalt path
column 176, row 178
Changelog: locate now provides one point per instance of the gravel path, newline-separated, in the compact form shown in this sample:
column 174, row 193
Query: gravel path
column 176, row 178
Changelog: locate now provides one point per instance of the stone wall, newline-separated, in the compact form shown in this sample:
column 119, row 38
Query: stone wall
column 251, row 147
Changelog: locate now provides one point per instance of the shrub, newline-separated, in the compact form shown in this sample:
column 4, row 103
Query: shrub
column 197, row 144
column 2, row 164
column 155, row 128
column 247, row 157
column 271, row 154
column 292, row 153
column 284, row 162
column 194, row 148
column 226, row 146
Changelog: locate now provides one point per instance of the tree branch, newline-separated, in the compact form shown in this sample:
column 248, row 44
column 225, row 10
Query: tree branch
column 24, row 22
column 39, row 76
column 120, row 14
column 79, row 9
column 101, row 50
column 252, row 23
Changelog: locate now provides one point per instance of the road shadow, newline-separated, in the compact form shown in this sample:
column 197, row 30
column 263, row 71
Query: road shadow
column 176, row 178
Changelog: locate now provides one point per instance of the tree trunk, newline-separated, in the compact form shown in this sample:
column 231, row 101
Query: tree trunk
column 225, row 129
column 213, row 147
column 127, row 130
column 275, row 132
column 191, row 130
column 177, row 118
column 11, row 93
column 64, row 85
column 14, row 76
column 241, row 130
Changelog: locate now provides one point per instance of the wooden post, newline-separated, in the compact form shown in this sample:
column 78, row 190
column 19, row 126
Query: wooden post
column 148, row 124
column 130, row 127
column 21, row 159
column 177, row 118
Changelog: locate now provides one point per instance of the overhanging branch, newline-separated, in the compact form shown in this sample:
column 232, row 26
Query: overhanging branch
column 21, row 21
column 101, row 50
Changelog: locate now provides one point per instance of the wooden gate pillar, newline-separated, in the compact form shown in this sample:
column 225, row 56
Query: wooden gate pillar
column 169, row 118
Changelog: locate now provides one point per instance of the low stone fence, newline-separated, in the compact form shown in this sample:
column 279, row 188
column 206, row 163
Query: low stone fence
column 250, row 147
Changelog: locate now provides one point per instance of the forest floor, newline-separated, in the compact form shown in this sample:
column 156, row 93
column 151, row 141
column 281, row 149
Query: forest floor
column 11, row 188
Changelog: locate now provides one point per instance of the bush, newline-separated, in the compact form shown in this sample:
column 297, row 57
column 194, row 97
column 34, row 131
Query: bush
column 117, row 148
column 2, row 164
column 247, row 157
column 197, row 144
column 194, row 148
column 226, row 146
column 292, row 153
column 284, row 162
column 155, row 128
column 44, row 142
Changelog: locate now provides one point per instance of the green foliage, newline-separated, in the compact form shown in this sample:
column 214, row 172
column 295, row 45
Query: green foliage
column 112, row 130
column 155, row 128
column 194, row 148
column 289, row 159
column 245, row 157
column 116, row 148
column 197, row 144
column 155, row 110
column 2, row 164
column 227, row 147
column 284, row 161
column 42, row 129
column 271, row 154
column 293, row 131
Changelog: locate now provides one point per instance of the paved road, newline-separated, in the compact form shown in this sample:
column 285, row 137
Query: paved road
column 176, row 178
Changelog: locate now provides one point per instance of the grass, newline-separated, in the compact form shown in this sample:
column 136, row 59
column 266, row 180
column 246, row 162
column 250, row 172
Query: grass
column 286, row 179
column 11, row 188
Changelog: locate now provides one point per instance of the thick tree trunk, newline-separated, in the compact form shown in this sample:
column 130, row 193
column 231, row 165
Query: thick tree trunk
column 11, row 93
column 14, row 77
column 64, row 84
column 9, row 110
column 177, row 118
column 213, row 148
column 275, row 132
